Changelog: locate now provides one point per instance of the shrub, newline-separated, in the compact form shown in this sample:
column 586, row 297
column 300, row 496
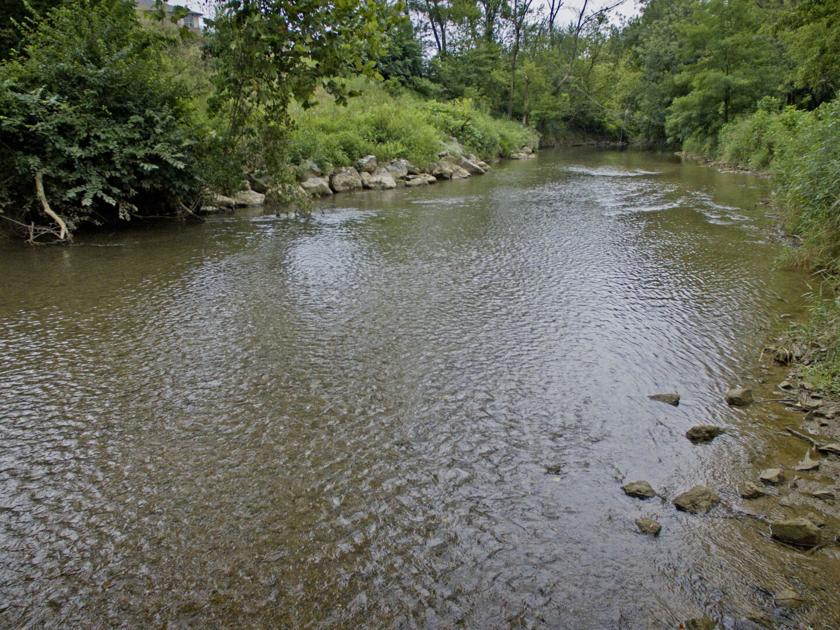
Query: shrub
column 94, row 107
column 398, row 125
column 754, row 141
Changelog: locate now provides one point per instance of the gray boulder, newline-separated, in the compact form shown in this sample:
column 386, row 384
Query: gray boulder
column 380, row 179
column 699, row 499
column 639, row 490
column 367, row 164
column 400, row 169
column 703, row 433
column 249, row 198
column 469, row 164
column 316, row 186
column 442, row 170
column 458, row 172
column 345, row 179
column 259, row 182
column 222, row 201
column 422, row 179
column 309, row 169
column 796, row 531
column 739, row 396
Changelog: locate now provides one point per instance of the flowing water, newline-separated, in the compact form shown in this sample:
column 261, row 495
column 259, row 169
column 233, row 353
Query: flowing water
column 264, row 421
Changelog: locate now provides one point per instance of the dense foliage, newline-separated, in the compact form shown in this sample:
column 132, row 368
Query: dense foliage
column 96, row 111
column 392, row 125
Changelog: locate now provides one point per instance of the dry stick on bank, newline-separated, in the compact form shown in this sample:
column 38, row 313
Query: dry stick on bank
column 63, row 234
column 832, row 448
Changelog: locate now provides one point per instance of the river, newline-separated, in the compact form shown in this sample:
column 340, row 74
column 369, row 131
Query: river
column 346, row 421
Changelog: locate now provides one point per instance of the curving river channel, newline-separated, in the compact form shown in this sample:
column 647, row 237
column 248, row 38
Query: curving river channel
column 347, row 422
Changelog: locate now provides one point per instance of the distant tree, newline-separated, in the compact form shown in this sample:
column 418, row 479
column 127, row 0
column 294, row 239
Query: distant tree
column 402, row 53
column 813, row 38
column 731, row 64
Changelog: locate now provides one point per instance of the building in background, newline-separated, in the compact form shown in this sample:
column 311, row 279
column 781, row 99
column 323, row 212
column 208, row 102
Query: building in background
column 191, row 19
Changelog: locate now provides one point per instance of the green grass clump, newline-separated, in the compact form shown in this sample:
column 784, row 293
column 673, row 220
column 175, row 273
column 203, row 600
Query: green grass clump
column 821, row 335
column 755, row 141
column 402, row 125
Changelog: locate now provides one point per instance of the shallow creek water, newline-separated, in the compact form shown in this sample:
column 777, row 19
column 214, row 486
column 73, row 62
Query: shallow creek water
column 346, row 422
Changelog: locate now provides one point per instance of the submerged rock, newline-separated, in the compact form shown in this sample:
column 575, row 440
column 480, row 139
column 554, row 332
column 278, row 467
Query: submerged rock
column 671, row 398
column 739, row 396
column 699, row 499
column 751, row 491
column 345, row 179
column 648, row 526
column 796, row 531
column 639, row 490
column 773, row 476
column 704, row 433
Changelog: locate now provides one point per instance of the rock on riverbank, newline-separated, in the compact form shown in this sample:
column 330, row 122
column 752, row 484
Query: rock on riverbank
column 367, row 173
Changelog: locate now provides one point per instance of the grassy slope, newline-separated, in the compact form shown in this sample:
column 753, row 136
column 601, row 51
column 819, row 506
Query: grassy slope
column 398, row 125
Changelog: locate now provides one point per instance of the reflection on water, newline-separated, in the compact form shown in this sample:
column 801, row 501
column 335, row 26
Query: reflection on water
column 347, row 421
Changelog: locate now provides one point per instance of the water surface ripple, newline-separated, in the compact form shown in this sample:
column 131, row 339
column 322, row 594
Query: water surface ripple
column 346, row 421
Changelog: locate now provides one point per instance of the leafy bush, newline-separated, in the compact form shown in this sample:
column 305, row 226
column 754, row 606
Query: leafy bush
column 754, row 141
column 94, row 106
column 399, row 125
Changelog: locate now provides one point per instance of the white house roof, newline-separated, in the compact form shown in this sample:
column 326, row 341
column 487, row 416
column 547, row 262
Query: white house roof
column 150, row 4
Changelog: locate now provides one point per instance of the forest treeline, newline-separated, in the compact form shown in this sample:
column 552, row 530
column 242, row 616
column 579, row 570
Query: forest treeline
column 106, row 115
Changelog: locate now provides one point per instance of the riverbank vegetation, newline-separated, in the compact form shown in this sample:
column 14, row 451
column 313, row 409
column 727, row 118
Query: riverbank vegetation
column 397, row 123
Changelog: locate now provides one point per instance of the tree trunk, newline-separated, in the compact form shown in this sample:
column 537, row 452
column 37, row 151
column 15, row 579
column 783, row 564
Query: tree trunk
column 63, row 234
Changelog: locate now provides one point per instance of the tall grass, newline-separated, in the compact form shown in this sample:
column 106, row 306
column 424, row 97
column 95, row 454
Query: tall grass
column 801, row 150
